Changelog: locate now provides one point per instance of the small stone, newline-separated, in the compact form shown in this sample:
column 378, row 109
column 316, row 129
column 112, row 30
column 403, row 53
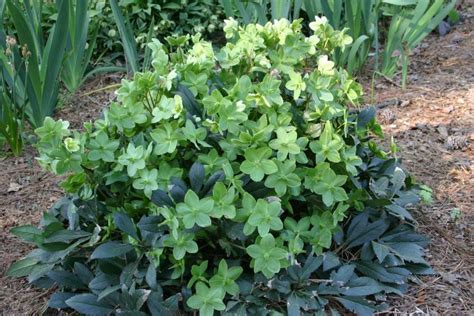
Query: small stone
column 448, row 109
column 405, row 103
column 443, row 131
column 14, row 187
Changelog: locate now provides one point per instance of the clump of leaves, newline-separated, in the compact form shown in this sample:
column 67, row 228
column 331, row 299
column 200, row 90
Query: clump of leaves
column 235, row 181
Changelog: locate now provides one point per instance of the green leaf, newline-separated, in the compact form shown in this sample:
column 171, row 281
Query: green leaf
column 89, row 305
column 206, row 299
column 28, row 233
column 111, row 249
column 125, row 224
column 357, row 305
column 361, row 231
column 196, row 176
column 128, row 39
column 22, row 267
column 267, row 257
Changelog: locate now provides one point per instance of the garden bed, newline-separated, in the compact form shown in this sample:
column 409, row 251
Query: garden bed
column 432, row 121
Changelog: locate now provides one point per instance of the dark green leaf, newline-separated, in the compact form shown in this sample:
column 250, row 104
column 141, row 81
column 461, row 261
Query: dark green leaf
column 28, row 233
column 310, row 266
column 196, row 176
column 380, row 250
column 361, row 231
column 65, row 279
column 161, row 198
column 111, row 249
column 125, row 224
column 88, row 304
column 357, row 305
column 378, row 272
column 58, row 299
column 365, row 116
column 343, row 274
column 83, row 273
column 65, row 235
column 330, row 261
column 22, row 267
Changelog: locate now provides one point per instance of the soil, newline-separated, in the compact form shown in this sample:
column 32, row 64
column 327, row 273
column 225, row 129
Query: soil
column 432, row 122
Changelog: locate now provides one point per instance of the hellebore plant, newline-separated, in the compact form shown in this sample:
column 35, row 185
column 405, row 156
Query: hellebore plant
column 231, row 181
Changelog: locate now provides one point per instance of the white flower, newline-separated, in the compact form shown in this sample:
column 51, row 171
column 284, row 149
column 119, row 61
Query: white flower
column 318, row 22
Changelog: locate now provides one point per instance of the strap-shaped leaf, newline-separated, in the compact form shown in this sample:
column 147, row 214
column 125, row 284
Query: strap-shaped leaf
column 128, row 39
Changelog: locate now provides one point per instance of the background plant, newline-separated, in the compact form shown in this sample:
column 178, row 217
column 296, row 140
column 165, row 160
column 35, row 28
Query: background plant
column 389, row 29
column 13, row 105
column 81, row 44
column 410, row 23
column 165, row 213
column 176, row 17
column 38, row 76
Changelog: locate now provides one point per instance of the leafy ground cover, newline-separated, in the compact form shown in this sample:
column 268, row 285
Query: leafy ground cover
column 441, row 94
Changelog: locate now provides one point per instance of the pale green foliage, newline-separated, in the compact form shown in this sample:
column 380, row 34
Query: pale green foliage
column 266, row 118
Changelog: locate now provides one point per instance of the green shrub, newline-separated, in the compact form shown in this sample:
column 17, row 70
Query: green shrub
column 240, row 181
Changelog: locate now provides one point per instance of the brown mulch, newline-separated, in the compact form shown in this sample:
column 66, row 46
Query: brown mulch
column 432, row 122
column 26, row 191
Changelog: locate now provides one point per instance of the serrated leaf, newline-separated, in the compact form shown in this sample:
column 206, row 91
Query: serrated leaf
column 378, row 272
column 361, row 231
column 380, row 250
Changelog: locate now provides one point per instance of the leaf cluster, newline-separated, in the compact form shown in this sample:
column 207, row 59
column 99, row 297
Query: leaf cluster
column 217, row 176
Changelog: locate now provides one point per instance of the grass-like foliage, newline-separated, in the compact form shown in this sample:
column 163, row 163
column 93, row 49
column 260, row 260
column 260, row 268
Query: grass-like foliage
column 242, row 181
